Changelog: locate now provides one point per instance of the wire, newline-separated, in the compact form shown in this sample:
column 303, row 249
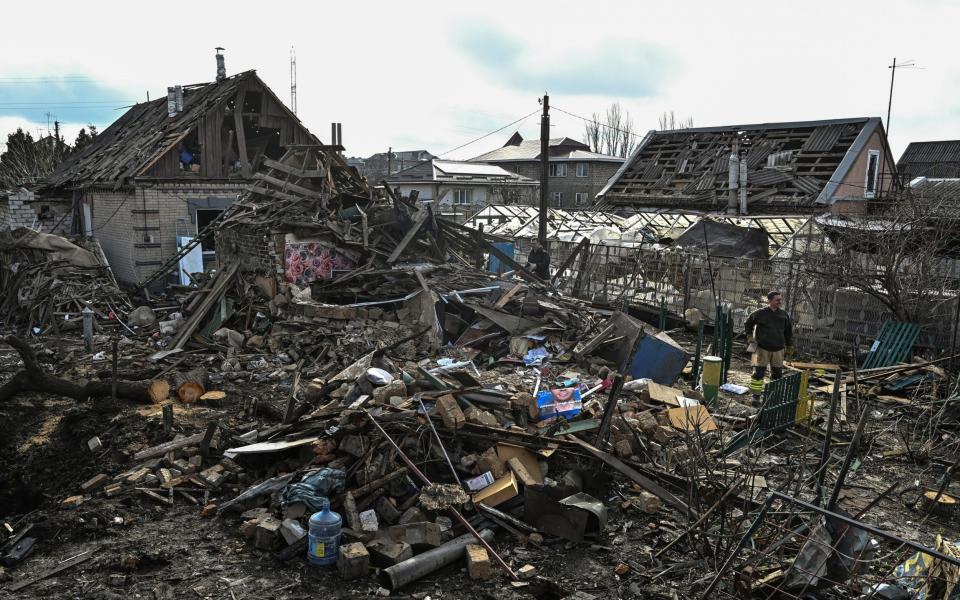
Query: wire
column 566, row 112
column 486, row 135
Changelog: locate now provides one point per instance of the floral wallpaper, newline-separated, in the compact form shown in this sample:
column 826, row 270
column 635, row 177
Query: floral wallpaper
column 306, row 262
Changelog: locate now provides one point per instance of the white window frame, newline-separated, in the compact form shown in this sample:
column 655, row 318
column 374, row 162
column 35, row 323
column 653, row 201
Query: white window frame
column 867, row 191
column 460, row 193
column 558, row 169
column 580, row 198
column 557, row 199
column 583, row 169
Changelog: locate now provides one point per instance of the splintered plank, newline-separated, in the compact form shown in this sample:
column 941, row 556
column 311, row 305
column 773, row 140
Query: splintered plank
column 417, row 223
column 70, row 562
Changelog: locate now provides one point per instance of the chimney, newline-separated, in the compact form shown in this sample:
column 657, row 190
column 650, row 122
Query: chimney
column 174, row 100
column 733, row 180
column 743, row 185
column 221, row 66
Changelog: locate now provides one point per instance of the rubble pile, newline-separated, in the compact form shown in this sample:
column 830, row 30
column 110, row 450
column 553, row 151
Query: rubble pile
column 48, row 281
column 351, row 397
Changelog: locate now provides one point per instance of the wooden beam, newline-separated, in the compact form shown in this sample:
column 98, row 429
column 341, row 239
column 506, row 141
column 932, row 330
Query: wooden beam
column 418, row 222
column 286, row 185
column 569, row 260
column 305, row 174
column 241, row 136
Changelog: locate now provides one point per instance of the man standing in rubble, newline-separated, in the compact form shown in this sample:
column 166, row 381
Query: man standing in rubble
column 769, row 334
column 539, row 260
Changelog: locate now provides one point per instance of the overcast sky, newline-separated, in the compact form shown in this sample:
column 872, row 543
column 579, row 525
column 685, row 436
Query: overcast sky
column 436, row 75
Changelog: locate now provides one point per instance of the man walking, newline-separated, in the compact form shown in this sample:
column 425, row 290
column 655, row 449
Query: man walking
column 769, row 333
column 538, row 260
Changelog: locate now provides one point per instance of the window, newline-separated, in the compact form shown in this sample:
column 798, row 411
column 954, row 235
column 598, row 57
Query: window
column 581, row 198
column 462, row 196
column 558, row 169
column 204, row 217
column 583, row 169
column 873, row 168
column 558, row 199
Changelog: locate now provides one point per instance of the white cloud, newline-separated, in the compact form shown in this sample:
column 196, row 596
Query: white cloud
column 396, row 75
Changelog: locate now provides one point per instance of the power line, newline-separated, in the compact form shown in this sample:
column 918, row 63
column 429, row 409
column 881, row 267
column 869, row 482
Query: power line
column 486, row 135
column 591, row 121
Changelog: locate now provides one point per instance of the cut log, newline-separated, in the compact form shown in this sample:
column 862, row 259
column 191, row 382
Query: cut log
column 159, row 390
column 190, row 385
column 33, row 379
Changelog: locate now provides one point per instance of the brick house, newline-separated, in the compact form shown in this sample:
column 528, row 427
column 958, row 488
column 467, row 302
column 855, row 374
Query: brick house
column 576, row 174
column 804, row 167
column 166, row 168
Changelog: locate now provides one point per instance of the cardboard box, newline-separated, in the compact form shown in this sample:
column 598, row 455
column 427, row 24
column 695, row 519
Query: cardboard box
column 691, row 418
column 498, row 492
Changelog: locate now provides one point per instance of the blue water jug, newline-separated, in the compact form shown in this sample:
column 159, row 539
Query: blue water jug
column 324, row 536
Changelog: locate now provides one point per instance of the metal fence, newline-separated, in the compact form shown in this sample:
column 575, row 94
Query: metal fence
column 827, row 315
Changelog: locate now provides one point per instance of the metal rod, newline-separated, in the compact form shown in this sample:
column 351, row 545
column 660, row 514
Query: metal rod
column 825, row 455
column 842, row 475
column 743, row 542
column 439, row 441
column 868, row 528
column 453, row 512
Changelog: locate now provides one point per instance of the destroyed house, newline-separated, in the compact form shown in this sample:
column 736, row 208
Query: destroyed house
column 168, row 167
column 804, row 167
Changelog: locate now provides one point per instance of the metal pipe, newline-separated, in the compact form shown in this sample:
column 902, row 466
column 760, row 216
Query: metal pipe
column 412, row 569
column 453, row 512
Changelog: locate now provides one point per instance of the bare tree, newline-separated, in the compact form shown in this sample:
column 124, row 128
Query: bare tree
column 25, row 160
column 591, row 133
column 903, row 253
column 612, row 133
column 669, row 121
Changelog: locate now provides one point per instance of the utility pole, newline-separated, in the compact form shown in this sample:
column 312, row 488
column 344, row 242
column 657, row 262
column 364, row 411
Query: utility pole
column 544, row 168
column 293, row 80
column 389, row 161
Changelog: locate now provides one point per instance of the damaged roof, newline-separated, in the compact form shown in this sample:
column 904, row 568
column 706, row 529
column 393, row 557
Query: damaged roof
column 135, row 141
column 455, row 171
column 790, row 165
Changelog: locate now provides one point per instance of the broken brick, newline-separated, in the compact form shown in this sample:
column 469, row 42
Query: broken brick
column 478, row 562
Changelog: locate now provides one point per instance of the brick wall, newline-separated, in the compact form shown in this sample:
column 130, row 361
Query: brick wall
column 597, row 176
column 256, row 248
column 138, row 227
column 47, row 215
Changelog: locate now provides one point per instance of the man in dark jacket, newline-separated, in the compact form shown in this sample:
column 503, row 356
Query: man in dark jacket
column 769, row 333
column 539, row 260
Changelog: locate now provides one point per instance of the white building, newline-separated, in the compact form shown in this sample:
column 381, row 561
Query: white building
column 464, row 187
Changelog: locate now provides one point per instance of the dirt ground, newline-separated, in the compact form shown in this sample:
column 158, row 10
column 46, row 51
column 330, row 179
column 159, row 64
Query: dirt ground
column 144, row 550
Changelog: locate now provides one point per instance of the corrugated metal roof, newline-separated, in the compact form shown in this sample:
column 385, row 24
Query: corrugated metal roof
column 930, row 159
